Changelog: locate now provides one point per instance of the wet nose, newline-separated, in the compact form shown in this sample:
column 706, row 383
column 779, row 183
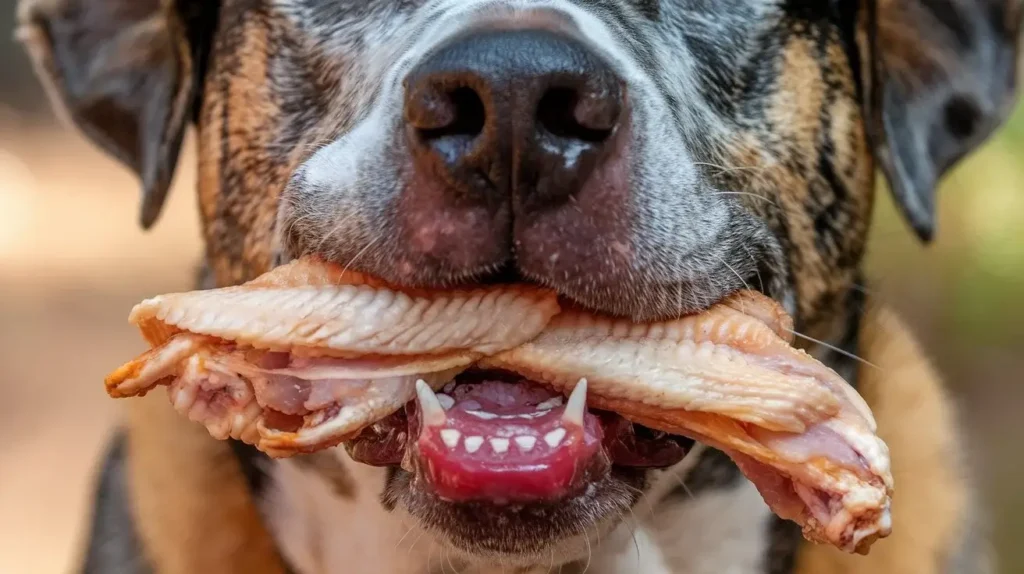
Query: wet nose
column 525, row 115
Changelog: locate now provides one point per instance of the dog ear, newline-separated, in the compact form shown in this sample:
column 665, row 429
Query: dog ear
column 123, row 71
column 943, row 77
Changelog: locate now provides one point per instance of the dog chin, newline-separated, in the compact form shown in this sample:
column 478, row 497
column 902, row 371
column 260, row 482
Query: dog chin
column 520, row 535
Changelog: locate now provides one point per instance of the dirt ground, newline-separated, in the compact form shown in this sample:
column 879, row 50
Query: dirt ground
column 72, row 264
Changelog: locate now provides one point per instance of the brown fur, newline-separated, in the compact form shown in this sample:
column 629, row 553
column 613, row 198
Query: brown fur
column 812, row 119
column 191, row 506
column 241, row 171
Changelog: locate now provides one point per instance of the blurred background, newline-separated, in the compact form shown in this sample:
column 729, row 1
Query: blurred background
column 73, row 262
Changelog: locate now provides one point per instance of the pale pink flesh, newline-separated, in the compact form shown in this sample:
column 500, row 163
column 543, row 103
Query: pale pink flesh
column 316, row 308
column 282, row 404
column 810, row 449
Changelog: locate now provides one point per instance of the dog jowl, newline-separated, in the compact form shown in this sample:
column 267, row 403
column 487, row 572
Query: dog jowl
column 644, row 158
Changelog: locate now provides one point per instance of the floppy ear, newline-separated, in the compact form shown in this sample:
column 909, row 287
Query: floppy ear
column 122, row 71
column 943, row 77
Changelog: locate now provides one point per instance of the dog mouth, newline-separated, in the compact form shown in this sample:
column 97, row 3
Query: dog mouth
column 501, row 438
column 495, row 436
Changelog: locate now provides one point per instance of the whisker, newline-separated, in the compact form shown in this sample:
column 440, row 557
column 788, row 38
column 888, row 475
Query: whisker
column 361, row 252
column 330, row 234
column 726, row 169
column 402, row 539
column 448, row 559
column 757, row 269
column 415, row 542
column 834, row 348
column 734, row 272
column 682, row 484
column 632, row 525
column 749, row 194
column 430, row 555
column 643, row 496
column 590, row 551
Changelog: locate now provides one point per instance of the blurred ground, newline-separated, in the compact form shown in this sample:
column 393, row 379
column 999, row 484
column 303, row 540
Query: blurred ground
column 73, row 262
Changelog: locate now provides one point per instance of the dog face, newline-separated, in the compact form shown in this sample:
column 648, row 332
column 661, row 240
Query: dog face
column 642, row 157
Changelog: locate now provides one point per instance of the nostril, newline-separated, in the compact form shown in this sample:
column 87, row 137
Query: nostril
column 439, row 114
column 563, row 113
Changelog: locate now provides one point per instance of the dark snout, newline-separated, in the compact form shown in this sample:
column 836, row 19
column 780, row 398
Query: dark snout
column 507, row 130
column 523, row 114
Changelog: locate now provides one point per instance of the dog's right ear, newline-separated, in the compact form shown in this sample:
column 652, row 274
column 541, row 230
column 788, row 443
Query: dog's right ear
column 125, row 73
column 943, row 78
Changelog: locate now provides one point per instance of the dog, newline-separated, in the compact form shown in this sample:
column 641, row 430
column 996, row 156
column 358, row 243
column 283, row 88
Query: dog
column 644, row 158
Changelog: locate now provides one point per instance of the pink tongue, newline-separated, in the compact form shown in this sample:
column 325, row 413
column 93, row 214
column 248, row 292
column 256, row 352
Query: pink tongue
column 508, row 442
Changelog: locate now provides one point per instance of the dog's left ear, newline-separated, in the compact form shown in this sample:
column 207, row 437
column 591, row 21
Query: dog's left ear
column 942, row 78
column 124, row 72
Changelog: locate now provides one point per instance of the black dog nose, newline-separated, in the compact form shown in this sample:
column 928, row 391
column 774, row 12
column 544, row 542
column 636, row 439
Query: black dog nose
column 529, row 113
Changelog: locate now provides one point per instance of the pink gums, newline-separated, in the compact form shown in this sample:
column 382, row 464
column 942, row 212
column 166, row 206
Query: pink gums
column 507, row 442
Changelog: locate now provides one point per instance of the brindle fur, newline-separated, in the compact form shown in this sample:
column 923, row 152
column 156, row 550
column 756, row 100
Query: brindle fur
column 781, row 110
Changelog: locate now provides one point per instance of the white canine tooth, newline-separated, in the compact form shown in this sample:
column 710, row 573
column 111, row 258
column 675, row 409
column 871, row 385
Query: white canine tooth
column 577, row 405
column 554, row 438
column 473, row 443
column 500, row 445
column 550, row 404
column 450, row 437
column 482, row 415
column 446, row 401
column 433, row 414
column 525, row 443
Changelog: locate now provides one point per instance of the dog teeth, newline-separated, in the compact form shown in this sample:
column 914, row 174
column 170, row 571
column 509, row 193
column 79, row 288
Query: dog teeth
column 522, row 416
column 450, row 437
column 554, row 438
column 500, row 445
column 449, row 387
column 525, row 443
column 446, row 401
column 577, row 405
column 473, row 443
column 430, row 408
column 550, row 404
column 482, row 415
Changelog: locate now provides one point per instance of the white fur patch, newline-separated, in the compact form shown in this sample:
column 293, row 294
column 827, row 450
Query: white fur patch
column 718, row 532
column 320, row 532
